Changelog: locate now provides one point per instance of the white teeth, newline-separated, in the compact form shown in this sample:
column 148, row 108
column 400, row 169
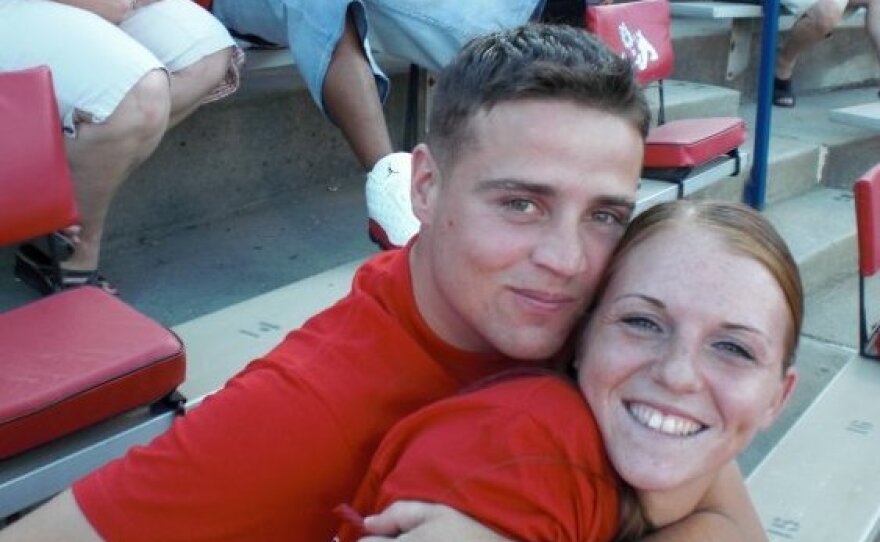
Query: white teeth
column 666, row 424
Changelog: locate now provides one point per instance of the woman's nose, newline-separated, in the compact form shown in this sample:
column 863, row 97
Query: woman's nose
column 677, row 367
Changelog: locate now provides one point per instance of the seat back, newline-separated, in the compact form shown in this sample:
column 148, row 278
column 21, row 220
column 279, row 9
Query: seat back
column 867, row 200
column 36, row 190
column 639, row 31
column 867, row 195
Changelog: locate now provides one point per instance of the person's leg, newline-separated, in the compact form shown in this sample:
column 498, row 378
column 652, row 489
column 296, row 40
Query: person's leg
column 351, row 99
column 872, row 21
column 193, row 45
column 811, row 28
column 113, row 99
column 103, row 155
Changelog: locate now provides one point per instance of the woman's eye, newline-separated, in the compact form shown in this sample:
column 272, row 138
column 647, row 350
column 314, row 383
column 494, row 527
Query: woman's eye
column 640, row 323
column 735, row 349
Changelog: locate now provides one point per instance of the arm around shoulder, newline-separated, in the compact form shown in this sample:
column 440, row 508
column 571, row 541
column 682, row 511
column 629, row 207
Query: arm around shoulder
column 58, row 519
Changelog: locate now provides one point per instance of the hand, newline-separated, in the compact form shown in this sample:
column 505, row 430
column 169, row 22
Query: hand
column 114, row 11
column 414, row 521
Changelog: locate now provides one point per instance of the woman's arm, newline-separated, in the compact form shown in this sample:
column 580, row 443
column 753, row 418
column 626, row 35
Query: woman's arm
column 725, row 514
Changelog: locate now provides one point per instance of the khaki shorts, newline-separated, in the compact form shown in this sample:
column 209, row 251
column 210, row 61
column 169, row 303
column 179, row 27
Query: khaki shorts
column 95, row 63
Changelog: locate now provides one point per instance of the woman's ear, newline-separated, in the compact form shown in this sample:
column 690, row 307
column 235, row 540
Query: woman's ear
column 789, row 382
column 425, row 183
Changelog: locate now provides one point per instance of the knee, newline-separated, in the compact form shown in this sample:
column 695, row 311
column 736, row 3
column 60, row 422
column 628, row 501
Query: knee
column 826, row 14
column 149, row 105
column 211, row 69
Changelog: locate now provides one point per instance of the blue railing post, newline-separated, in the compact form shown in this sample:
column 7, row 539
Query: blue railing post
column 756, row 188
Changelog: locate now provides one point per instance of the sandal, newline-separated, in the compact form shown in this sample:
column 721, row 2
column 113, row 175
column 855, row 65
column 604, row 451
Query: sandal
column 783, row 96
column 36, row 269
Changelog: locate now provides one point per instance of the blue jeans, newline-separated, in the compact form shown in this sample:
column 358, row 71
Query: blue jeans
column 425, row 32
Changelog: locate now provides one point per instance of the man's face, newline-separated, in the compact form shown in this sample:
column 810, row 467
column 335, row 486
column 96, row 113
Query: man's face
column 517, row 232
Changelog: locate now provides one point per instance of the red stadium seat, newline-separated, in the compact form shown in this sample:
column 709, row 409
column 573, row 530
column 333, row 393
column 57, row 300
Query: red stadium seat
column 867, row 197
column 674, row 150
column 79, row 356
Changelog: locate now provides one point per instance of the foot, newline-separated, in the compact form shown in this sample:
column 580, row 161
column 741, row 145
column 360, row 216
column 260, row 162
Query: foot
column 389, row 208
column 783, row 96
column 38, row 270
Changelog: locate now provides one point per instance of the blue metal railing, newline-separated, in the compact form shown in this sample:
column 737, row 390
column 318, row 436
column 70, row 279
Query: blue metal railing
column 756, row 189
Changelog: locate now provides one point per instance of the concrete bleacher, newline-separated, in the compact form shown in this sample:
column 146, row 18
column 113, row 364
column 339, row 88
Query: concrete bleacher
column 251, row 217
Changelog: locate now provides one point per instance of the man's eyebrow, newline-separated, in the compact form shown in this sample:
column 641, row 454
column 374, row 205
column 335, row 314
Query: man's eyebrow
column 517, row 185
column 618, row 201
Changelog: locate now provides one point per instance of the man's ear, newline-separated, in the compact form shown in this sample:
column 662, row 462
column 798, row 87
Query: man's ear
column 425, row 183
column 789, row 382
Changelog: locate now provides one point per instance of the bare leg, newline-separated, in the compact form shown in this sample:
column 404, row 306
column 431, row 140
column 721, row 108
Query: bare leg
column 351, row 99
column 190, row 85
column 103, row 155
column 872, row 23
column 813, row 27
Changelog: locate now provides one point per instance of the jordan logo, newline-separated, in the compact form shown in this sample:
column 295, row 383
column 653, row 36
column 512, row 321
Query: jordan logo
column 638, row 48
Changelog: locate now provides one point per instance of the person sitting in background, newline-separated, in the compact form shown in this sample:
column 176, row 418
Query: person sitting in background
column 677, row 370
column 330, row 41
column 816, row 20
column 125, row 72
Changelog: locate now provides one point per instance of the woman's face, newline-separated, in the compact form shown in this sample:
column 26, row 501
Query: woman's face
column 682, row 360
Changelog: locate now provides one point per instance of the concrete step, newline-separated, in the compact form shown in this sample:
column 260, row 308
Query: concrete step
column 847, row 151
column 845, row 60
column 808, row 149
column 819, row 227
column 267, row 143
column 685, row 99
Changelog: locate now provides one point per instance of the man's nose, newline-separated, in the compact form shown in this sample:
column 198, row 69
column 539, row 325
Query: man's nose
column 562, row 249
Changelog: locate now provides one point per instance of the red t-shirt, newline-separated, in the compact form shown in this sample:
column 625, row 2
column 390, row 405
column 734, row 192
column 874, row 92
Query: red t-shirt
column 523, row 456
column 291, row 436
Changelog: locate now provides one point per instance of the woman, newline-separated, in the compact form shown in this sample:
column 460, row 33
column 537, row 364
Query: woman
column 686, row 356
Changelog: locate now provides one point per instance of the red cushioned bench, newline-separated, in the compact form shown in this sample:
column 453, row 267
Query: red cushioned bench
column 690, row 152
column 74, row 358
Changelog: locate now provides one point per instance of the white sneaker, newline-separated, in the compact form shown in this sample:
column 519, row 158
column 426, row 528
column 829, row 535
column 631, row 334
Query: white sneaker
column 392, row 222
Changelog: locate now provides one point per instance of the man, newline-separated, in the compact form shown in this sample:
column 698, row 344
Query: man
column 816, row 22
column 523, row 190
column 331, row 42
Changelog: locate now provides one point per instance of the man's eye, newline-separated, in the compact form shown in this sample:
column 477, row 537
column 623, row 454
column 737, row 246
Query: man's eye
column 735, row 349
column 520, row 205
column 640, row 323
column 607, row 217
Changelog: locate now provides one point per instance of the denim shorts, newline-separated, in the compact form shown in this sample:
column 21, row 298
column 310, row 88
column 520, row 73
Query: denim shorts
column 96, row 63
column 424, row 32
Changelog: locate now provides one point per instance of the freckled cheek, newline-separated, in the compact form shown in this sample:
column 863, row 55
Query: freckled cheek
column 739, row 404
